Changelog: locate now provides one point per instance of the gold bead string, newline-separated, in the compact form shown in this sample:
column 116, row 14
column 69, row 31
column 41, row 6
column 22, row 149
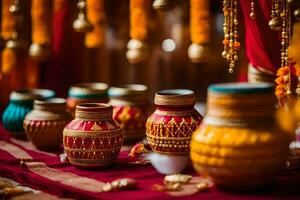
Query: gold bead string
column 252, row 12
column 283, row 88
column 275, row 22
column 231, row 44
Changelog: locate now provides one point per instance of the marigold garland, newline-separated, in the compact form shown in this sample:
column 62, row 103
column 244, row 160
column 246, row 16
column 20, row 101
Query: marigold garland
column 282, row 81
column 96, row 15
column 41, row 24
column 7, row 21
column 199, row 21
column 9, row 57
column 139, row 17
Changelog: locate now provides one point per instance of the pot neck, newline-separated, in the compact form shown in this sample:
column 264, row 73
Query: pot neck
column 93, row 112
column 54, row 105
column 177, row 108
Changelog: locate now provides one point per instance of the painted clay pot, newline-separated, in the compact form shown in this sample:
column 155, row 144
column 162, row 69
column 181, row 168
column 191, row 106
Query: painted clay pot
column 170, row 127
column 239, row 143
column 93, row 138
column 44, row 125
column 21, row 103
column 87, row 93
column 130, row 110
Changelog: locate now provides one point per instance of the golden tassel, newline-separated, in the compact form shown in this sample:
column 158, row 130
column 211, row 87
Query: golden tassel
column 41, row 28
column 200, row 30
column 139, row 17
column 9, row 57
column 96, row 15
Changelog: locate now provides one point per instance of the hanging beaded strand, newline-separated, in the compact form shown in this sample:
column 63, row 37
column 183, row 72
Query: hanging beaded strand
column 231, row 44
column 226, row 28
column 283, row 88
column 275, row 22
column 252, row 12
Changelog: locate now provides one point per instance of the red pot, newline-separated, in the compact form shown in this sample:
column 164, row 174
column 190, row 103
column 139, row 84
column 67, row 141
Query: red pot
column 93, row 138
column 130, row 110
column 170, row 127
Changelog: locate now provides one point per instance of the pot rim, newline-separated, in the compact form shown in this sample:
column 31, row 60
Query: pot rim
column 94, row 111
column 88, row 88
column 93, row 106
column 30, row 94
column 127, row 90
column 241, row 88
column 51, row 101
column 174, row 97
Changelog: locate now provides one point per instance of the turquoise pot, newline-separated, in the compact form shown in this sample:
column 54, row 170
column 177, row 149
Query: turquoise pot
column 21, row 103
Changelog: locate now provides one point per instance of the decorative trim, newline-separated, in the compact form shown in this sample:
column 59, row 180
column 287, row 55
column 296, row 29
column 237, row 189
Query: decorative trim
column 66, row 178
column 175, row 113
column 92, row 134
column 15, row 151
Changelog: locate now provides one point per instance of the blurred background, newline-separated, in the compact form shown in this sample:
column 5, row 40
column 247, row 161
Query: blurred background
column 166, row 66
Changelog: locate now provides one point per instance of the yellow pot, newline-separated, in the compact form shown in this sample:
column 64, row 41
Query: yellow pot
column 239, row 144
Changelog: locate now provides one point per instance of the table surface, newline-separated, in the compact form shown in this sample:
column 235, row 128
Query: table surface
column 286, row 187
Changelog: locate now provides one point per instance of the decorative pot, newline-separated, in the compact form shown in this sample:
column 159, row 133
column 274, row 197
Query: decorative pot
column 45, row 123
column 130, row 110
column 93, row 138
column 239, row 144
column 87, row 93
column 170, row 127
column 21, row 103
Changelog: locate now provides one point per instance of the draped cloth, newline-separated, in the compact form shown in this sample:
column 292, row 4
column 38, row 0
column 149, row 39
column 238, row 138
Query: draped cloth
column 44, row 171
column 262, row 43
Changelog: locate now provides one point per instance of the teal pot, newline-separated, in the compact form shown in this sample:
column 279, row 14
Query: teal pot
column 88, row 92
column 21, row 103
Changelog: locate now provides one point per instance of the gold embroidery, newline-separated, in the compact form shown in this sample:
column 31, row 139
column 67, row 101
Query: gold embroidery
column 15, row 151
column 66, row 178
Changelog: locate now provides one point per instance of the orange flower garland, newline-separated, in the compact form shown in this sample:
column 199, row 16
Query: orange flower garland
column 96, row 15
column 7, row 21
column 9, row 57
column 139, row 17
column 199, row 25
column 200, row 30
column 41, row 28
column 282, row 81
column 41, row 14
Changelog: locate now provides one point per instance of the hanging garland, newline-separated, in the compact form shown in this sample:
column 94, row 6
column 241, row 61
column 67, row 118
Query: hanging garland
column 139, row 19
column 96, row 16
column 8, row 24
column 200, row 30
column 283, row 80
column 41, row 29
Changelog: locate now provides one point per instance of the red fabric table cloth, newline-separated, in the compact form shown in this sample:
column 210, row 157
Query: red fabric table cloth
column 287, row 186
